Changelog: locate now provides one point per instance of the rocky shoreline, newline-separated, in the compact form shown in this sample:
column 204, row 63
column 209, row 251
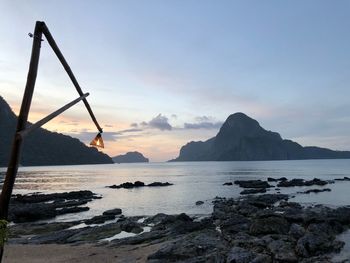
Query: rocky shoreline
column 251, row 228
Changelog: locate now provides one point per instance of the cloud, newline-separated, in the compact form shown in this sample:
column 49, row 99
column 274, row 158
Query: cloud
column 109, row 125
column 160, row 122
column 203, row 122
column 134, row 125
column 130, row 130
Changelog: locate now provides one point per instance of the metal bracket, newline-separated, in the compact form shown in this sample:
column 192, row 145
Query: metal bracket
column 31, row 35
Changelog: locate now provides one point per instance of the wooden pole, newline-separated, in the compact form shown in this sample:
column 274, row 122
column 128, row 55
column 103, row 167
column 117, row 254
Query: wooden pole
column 49, row 117
column 60, row 56
column 21, row 125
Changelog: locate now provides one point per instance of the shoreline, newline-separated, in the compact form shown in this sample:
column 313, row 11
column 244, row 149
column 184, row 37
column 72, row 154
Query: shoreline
column 264, row 227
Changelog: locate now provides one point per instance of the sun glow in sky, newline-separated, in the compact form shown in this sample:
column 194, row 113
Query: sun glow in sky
column 163, row 73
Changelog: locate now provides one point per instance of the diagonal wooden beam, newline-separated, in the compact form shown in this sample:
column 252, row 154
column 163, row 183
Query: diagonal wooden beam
column 60, row 56
column 49, row 117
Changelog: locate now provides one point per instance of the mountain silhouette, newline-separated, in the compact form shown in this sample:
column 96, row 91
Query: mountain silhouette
column 241, row 138
column 43, row 147
column 130, row 157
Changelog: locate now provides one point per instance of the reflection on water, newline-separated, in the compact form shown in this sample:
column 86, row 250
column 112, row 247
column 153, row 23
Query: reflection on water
column 192, row 182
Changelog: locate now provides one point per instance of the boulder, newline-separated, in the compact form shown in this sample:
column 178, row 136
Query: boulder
column 252, row 184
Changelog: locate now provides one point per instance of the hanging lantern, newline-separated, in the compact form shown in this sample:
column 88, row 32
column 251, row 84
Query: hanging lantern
column 98, row 141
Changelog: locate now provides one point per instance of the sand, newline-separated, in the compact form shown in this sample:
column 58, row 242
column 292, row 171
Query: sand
column 80, row 253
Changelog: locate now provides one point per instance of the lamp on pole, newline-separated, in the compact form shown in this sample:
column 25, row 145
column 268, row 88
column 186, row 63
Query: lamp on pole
column 22, row 130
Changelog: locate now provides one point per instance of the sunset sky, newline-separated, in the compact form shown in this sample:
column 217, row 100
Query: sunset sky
column 163, row 73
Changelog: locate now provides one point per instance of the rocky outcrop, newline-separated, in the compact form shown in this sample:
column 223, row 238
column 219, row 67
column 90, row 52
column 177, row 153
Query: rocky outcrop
column 137, row 184
column 130, row 157
column 263, row 228
column 241, row 138
column 34, row 207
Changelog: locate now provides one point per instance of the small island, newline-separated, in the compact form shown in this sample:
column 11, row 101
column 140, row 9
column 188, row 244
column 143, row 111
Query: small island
column 130, row 157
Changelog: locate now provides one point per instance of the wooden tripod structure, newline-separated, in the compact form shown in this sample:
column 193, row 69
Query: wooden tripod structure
column 22, row 130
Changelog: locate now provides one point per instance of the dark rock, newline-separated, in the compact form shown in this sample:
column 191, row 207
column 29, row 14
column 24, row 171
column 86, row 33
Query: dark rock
column 314, row 244
column 139, row 184
column 283, row 251
column 39, row 198
column 253, row 191
column 343, row 179
column 240, row 255
column 203, row 246
column 270, row 179
column 26, row 229
column 129, row 185
column 265, row 200
column 115, row 211
column 99, row 219
column 228, row 183
column 160, row 184
column 315, row 191
column 269, row 225
column 296, row 231
column 252, row 184
column 131, row 227
column 199, row 202
column 29, row 208
column 302, row 182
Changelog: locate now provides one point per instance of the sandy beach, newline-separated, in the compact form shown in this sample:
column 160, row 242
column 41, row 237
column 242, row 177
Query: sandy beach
column 54, row 253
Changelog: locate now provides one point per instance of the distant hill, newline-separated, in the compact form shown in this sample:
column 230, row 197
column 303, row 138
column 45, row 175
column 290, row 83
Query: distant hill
column 43, row 147
column 130, row 157
column 241, row 138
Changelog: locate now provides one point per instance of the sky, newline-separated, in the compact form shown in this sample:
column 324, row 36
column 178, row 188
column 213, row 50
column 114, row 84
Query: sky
column 163, row 73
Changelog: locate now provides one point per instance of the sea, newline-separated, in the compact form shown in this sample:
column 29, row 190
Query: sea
column 192, row 182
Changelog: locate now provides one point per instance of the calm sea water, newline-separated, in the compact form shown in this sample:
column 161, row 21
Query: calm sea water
column 192, row 181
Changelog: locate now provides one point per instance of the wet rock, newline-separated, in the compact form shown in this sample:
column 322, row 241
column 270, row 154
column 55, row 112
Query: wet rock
column 240, row 255
column 203, row 246
column 302, row 182
column 99, row 219
column 265, row 200
column 345, row 178
column 115, row 211
column 131, row 227
column 252, row 184
column 270, row 179
column 129, row 185
column 199, row 202
column 27, row 229
column 33, row 207
column 314, row 244
column 139, row 184
column 296, row 231
column 315, row 191
column 160, row 184
column 269, row 225
column 283, row 251
column 253, row 191
column 40, row 198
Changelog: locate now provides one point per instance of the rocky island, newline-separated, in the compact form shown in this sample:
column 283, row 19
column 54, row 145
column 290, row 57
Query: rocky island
column 241, row 138
column 130, row 157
